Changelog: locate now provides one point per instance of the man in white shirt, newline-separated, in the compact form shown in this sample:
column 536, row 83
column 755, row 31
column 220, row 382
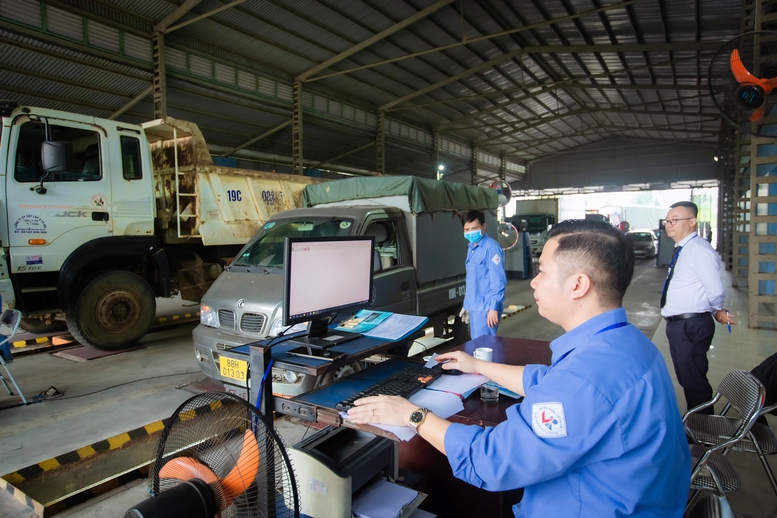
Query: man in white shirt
column 693, row 295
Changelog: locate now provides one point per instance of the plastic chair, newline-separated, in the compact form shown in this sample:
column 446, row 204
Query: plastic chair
column 10, row 318
column 711, row 470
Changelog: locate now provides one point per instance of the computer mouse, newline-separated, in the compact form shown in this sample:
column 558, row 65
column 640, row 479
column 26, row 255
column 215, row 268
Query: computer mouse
column 452, row 372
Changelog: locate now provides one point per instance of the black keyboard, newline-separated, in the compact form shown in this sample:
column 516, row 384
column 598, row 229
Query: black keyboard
column 405, row 383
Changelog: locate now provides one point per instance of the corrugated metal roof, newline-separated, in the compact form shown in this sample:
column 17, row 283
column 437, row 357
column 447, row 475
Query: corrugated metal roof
column 273, row 41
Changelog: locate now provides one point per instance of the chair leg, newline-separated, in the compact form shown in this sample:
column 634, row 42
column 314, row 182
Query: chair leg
column 725, row 508
column 764, row 462
column 5, row 384
column 10, row 375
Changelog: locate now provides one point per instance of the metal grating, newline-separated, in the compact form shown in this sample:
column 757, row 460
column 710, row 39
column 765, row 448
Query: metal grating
column 252, row 322
column 227, row 319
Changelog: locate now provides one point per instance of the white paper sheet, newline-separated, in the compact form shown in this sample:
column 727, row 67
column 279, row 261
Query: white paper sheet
column 397, row 326
column 382, row 500
column 442, row 404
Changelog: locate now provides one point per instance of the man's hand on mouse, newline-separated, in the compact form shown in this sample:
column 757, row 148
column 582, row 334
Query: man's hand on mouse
column 458, row 360
column 390, row 410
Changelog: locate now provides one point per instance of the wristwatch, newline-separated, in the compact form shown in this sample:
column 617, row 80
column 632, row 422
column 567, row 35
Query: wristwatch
column 417, row 418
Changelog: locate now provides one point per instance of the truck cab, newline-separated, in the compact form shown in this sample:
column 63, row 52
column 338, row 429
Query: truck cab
column 76, row 191
column 537, row 225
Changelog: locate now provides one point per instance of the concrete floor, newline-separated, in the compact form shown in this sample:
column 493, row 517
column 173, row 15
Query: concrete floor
column 112, row 395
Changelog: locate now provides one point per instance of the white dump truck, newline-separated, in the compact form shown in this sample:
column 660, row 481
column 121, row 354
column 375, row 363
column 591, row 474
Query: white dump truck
column 99, row 217
column 418, row 236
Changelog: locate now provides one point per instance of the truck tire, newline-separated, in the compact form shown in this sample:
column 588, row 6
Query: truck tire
column 40, row 327
column 113, row 311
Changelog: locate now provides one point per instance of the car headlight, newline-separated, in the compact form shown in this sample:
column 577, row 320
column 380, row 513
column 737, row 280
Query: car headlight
column 277, row 327
column 209, row 316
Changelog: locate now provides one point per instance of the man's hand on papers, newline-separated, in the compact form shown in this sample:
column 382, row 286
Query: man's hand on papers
column 458, row 360
column 390, row 410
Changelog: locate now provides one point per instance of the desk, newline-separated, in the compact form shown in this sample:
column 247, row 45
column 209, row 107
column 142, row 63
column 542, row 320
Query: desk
column 448, row 496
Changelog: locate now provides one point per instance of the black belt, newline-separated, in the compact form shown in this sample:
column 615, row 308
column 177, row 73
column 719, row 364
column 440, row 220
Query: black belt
column 686, row 316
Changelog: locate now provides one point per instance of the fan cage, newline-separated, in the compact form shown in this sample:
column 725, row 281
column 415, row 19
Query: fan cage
column 758, row 52
column 211, row 429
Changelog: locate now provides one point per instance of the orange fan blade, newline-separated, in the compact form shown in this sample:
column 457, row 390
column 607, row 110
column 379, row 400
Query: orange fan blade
column 758, row 113
column 186, row 468
column 245, row 470
column 769, row 85
column 741, row 74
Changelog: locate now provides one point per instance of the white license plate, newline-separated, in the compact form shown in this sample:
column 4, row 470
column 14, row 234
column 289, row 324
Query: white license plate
column 233, row 369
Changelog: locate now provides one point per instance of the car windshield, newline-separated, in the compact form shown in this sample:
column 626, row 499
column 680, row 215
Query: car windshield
column 535, row 224
column 268, row 249
column 639, row 236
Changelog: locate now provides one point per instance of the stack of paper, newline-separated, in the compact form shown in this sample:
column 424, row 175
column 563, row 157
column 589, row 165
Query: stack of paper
column 383, row 500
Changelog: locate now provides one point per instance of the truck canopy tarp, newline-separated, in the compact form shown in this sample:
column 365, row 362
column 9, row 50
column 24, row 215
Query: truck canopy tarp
column 424, row 195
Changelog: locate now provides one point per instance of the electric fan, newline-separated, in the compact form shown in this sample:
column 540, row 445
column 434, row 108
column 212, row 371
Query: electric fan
column 218, row 456
column 742, row 77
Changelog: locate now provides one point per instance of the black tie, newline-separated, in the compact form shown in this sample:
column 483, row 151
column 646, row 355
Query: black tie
column 669, row 275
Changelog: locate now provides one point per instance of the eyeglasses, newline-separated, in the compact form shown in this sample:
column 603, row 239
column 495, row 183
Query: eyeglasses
column 673, row 222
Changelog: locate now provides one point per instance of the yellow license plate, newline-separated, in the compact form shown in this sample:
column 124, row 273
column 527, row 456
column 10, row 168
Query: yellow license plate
column 234, row 369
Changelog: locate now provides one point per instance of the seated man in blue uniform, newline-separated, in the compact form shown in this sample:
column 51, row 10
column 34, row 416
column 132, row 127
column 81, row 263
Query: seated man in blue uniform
column 598, row 433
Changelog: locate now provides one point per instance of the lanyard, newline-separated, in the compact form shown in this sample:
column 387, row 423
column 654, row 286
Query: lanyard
column 677, row 257
column 608, row 328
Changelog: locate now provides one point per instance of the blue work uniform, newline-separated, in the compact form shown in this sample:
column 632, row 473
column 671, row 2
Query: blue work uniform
column 486, row 282
column 598, row 434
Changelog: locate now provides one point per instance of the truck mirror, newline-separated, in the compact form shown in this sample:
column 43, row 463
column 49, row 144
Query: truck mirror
column 55, row 156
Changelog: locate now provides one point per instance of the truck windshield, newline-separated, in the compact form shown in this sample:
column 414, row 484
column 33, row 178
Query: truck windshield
column 535, row 224
column 268, row 249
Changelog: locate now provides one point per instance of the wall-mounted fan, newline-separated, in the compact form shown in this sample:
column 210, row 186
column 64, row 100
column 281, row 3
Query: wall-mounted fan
column 743, row 78
column 218, row 456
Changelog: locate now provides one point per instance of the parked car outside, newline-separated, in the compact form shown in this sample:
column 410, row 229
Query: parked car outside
column 645, row 243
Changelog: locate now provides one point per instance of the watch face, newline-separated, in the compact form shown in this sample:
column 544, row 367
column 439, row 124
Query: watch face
column 416, row 416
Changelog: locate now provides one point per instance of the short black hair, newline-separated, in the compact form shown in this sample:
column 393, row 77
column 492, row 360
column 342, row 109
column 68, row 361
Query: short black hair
column 472, row 215
column 600, row 251
column 688, row 205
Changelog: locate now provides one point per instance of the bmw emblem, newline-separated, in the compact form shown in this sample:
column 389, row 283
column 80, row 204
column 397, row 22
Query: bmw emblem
column 241, row 303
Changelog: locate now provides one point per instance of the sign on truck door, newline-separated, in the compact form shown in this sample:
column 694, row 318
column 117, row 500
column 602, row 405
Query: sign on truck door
column 43, row 229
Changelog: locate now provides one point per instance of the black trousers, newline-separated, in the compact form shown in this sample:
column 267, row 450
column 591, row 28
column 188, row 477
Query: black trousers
column 689, row 341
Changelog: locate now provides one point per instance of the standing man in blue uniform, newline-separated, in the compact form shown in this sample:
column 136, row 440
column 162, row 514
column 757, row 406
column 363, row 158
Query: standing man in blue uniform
column 693, row 295
column 598, row 433
column 486, row 278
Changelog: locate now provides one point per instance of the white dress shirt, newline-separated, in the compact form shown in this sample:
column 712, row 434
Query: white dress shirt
column 696, row 286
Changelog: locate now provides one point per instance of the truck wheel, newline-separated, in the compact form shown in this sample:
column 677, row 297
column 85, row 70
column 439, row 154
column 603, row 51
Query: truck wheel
column 38, row 326
column 114, row 311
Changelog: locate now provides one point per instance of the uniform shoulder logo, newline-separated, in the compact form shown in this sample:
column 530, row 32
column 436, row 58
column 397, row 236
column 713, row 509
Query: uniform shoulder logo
column 548, row 420
column 496, row 259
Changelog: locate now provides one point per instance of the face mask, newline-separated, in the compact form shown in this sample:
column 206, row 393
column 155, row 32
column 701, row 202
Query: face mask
column 474, row 236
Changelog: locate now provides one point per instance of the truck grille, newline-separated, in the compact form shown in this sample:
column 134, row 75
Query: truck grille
column 226, row 319
column 252, row 322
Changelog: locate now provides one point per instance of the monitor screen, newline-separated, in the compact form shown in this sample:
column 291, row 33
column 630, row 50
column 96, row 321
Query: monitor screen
column 326, row 275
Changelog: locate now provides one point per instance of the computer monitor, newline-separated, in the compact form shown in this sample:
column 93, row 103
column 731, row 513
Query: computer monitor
column 324, row 276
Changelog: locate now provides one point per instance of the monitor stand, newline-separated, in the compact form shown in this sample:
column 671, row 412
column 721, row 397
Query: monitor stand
column 321, row 337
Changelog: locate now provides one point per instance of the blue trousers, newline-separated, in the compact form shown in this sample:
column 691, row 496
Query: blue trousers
column 478, row 324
